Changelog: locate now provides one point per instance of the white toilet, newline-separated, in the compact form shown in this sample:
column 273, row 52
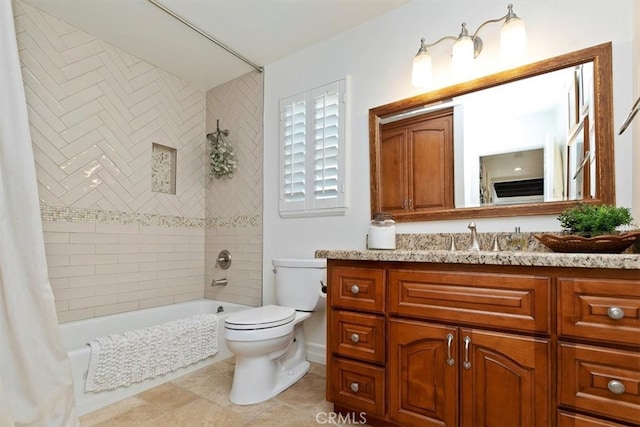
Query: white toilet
column 268, row 342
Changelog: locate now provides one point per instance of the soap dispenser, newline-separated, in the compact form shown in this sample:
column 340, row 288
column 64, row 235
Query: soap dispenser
column 517, row 242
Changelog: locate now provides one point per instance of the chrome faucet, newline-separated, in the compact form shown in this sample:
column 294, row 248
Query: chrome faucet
column 475, row 246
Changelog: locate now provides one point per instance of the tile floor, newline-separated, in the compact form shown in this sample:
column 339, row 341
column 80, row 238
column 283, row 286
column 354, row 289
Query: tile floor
column 202, row 399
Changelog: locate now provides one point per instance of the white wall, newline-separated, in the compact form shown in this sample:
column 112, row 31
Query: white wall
column 377, row 55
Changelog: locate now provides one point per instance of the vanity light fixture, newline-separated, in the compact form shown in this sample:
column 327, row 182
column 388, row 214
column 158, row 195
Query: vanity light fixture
column 513, row 42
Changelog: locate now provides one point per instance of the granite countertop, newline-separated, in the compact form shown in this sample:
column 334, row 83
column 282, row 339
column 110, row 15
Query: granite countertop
column 540, row 259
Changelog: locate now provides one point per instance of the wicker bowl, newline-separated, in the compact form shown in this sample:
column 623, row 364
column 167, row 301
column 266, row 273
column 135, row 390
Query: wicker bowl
column 607, row 244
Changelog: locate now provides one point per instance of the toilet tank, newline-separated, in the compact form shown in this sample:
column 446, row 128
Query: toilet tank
column 299, row 282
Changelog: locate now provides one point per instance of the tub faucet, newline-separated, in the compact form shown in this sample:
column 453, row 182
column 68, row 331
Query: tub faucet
column 475, row 246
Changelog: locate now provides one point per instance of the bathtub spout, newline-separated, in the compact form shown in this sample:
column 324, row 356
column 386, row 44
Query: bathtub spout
column 219, row 282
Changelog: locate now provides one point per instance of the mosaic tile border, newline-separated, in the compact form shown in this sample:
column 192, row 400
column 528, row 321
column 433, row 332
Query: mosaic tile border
column 83, row 215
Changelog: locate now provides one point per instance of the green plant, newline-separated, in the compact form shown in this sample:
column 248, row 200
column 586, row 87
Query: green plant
column 594, row 220
column 223, row 160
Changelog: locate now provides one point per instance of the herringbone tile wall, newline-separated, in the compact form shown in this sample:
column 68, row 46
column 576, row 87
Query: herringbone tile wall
column 95, row 111
column 238, row 105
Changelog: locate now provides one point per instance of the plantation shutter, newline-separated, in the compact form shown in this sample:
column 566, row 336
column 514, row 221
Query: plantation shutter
column 294, row 131
column 312, row 138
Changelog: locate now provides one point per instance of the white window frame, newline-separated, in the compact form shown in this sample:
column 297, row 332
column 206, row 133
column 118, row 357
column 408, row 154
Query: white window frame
column 309, row 204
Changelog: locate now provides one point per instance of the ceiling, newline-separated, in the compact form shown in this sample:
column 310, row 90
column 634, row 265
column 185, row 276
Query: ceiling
column 263, row 31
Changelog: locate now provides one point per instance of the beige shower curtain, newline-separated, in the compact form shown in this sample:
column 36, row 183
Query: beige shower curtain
column 36, row 388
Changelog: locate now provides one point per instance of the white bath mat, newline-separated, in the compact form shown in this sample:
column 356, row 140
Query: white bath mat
column 122, row 359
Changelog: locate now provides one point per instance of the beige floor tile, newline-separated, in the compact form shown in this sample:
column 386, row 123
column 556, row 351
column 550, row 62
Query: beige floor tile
column 168, row 396
column 283, row 415
column 200, row 412
column 138, row 416
column 109, row 412
column 308, row 392
column 202, row 399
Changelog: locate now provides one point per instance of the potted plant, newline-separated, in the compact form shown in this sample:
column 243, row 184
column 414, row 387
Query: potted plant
column 594, row 220
column 592, row 228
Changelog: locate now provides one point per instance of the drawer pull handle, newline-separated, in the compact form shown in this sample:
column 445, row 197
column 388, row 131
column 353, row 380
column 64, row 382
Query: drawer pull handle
column 615, row 387
column 616, row 313
column 466, row 364
column 450, row 360
column 355, row 337
column 355, row 387
column 355, row 289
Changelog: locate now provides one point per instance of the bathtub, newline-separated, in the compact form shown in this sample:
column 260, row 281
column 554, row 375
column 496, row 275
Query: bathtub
column 76, row 336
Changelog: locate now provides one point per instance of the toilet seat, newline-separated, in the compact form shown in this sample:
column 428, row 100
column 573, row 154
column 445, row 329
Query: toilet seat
column 268, row 316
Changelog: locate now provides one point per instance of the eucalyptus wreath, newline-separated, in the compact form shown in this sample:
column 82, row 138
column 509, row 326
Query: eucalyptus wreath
column 223, row 160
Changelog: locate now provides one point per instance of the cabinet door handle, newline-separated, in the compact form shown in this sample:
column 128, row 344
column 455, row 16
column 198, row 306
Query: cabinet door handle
column 466, row 364
column 355, row 337
column 616, row 313
column 355, row 289
column 450, row 360
column 615, row 387
column 355, row 387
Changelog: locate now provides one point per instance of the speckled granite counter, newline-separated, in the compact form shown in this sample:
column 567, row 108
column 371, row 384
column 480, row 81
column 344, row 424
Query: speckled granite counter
column 540, row 259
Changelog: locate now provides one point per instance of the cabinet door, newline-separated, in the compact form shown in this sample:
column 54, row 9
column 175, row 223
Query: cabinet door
column 505, row 381
column 431, row 156
column 423, row 386
column 393, row 171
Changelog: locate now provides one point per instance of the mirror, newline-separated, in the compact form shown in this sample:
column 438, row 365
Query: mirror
column 527, row 141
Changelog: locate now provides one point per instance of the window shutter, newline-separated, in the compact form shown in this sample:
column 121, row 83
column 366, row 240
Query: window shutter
column 293, row 131
column 326, row 136
column 312, row 140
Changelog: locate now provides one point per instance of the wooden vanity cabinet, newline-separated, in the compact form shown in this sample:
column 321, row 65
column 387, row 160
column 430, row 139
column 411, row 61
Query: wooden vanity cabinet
column 484, row 345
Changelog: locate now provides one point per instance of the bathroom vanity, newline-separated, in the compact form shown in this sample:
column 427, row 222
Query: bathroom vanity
column 435, row 338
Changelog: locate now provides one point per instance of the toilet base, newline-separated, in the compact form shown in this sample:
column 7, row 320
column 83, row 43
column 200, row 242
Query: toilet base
column 257, row 379
column 257, row 389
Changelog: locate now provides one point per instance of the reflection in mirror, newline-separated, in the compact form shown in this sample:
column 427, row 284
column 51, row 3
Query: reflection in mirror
column 530, row 129
column 526, row 141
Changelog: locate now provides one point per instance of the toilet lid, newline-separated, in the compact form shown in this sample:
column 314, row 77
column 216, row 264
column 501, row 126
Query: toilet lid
column 268, row 316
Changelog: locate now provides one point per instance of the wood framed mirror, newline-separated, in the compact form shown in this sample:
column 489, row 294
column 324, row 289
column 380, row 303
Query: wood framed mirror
column 455, row 152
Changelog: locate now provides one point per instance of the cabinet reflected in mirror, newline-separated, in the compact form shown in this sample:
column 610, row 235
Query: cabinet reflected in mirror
column 527, row 141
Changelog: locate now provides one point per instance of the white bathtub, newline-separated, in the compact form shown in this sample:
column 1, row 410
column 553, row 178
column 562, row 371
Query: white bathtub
column 76, row 336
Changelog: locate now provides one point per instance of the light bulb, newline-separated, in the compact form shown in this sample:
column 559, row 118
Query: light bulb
column 421, row 74
column 513, row 39
column 462, row 56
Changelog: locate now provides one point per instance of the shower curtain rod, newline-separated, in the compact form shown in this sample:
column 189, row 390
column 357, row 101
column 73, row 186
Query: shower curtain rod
column 205, row 35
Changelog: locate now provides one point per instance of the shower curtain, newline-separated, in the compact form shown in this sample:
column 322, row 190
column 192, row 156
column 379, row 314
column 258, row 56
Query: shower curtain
column 36, row 388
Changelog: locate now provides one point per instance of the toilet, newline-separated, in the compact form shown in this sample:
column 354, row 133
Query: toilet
column 268, row 342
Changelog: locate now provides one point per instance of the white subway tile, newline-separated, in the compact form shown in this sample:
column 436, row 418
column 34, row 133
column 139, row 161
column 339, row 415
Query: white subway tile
column 55, row 237
column 93, row 259
column 155, row 302
column 115, row 288
column 93, row 238
column 135, row 257
column 95, row 301
column 64, row 249
column 189, row 296
column 137, row 277
column 77, row 227
column 93, row 280
column 118, row 228
column 156, row 248
column 57, row 260
column 137, row 238
column 71, row 271
column 71, row 315
column 117, row 249
column 136, row 296
column 116, row 268
column 116, row 308
column 59, row 283
column 73, row 293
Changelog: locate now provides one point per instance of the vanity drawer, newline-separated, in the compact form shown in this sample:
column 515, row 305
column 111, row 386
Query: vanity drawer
column 600, row 309
column 569, row 419
column 357, row 288
column 599, row 380
column 357, row 386
column 512, row 301
column 358, row 335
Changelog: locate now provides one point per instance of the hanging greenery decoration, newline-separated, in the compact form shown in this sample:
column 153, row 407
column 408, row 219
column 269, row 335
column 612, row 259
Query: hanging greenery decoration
column 223, row 160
